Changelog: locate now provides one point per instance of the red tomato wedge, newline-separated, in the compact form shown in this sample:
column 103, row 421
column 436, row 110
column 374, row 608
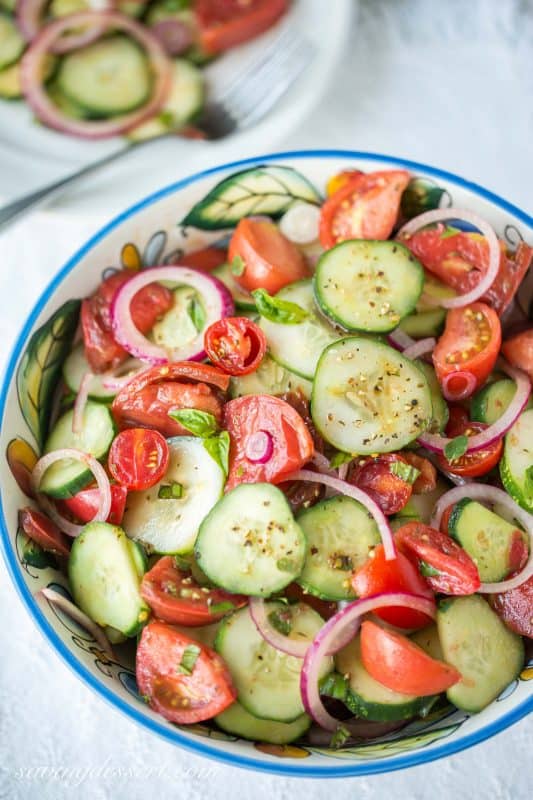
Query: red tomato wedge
column 470, row 465
column 227, row 23
column 446, row 566
column 147, row 399
column 515, row 608
column 375, row 477
column 377, row 575
column 401, row 665
column 340, row 180
column 269, row 260
column 470, row 343
column 206, row 259
column 366, row 207
column 174, row 596
column 182, row 680
column 84, row 505
column 291, row 444
column 138, row 458
column 518, row 350
column 44, row 532
column 235, row 344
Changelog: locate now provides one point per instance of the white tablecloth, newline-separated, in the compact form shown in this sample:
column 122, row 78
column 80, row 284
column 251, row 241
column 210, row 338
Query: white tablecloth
column 447, row 83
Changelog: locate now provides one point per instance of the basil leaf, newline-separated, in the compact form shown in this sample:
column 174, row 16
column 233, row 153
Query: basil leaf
column 448, row 231
column 237, row 266
column 276, row 310
column 339, row 738
column 170, row 491
column 281, row 621
column 189, row 659
column 201, row 423
column 427, row 570
column 197, row 314
column 406, row 472
column 456, row 447
column 339, row 459
column 218, row 449
column 218, row 608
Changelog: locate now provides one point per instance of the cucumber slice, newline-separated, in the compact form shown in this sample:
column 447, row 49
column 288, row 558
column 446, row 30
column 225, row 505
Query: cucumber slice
column 369, row 699
column 475, row 641
column 270, row 378
column 237, row 720
column 298, row 347
column 110, row 76
column 424, row 323
column 171, row 526
column 249, row 542
column 268, row 681
column 11, row 42
column 66, row 477
column 74, row 368
column 434, row 290
column 177, row 327
column 490, row 403
column 339, row 535
column 242, row 298
column 516, row 465
column 486, row 537
column 368, row 286
column 104, row 578
column 367, row 398
column 428, row 639
column 184, row 102
column 441, row 412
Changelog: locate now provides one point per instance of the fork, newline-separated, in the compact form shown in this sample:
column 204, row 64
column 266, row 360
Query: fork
column 241, row 104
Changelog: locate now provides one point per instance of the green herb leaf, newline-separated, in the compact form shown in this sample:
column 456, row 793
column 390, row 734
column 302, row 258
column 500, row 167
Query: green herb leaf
column 276, row 310
column 404, row 471
column 334, row 685
column 197, row 314
column 145, row 698
column 339, row 738
column 281, row 620
column 166, row 118
column 456, row 448
column 170, row 491
column 340, row 458
column 449, row 231
column 201, row 423
column 182, row 563
column 427, row 570
column 237, row 266
column 189, row 659
column 218, row 449
column 219, row 608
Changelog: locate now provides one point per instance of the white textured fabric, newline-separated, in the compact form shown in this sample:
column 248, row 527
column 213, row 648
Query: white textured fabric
column 448, row 83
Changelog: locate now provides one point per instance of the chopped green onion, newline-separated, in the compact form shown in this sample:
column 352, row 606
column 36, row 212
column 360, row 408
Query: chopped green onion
column 189, row 659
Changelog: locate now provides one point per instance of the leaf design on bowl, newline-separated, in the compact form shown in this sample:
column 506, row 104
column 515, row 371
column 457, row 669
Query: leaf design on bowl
column 40, row 367
column 394, row 747
column 21, row 458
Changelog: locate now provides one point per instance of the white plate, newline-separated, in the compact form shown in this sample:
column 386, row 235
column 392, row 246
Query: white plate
column 32, row 155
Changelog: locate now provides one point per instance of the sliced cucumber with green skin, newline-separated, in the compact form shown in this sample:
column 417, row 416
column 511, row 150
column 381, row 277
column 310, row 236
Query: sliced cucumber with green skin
column 270, row 378
column 177, row 327
column 441, row 412
column 368, row 398
column 490, row 403
column 486, row 537
column 298, row 347
column 10, row 86
column 110, row 76
column 340, row 534
column 364, row 285
column 428, row 639
column 476, row 642
column 104, row 578
column 237, row 720
column 516, row 465
column 65, row 478
column 424, row 323
column 75, row 367
column 11, row 42
column 371, row 700
column 249, row 543
column 241, row 297
column 268, row 681
column 171, row 525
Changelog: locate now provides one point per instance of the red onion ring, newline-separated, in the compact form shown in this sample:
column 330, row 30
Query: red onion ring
column 48, row 112
column 322, row 464
column 343, row 471
column 480, row 441
column 491, row 494
column 114, row 380
column 420, row 348
column 81, row 402
column 57, row 599
column 440, row 214
column 400, row 340
column 104, row 505
column 332, row 637
column 467, row 381
column 357, row 494
column 175, row 36
column 29, row 15
column 259, row 447
column 292, row 647
column 217, row 300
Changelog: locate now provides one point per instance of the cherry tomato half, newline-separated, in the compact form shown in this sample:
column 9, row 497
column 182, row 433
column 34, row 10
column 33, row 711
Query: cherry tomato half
column 518, row 350
column 470, row 343
column 377, row 575
column 235, row 344
column 401, row 665
column 84, row 504
column 470, row 465
column 375, row 477
column 196, row 692
column 514, row 608
column 446, row 566
column 270, row 260
column 206, row 259
column 427, row 480
column 43, row 531
column 174, row 596
column 138, row 458
column 227, row 23
column 364, row 208
column 288, row 442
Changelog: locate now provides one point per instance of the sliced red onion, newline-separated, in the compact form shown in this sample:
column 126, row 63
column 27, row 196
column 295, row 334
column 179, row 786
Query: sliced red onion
column 43, row 107
column 441, row 214
column 400, row 340
column 119, row 378
column 492, row 433
column 492, row 495
column 174, row 35
column 61, row 602
column 322, row 464
column 81, row 402
column 300, row 223
column 104, row 505
column 357, row 494
column 29, row 20
column 258, row 613
column 343, row 471
column 259, row 447
column 420, row 348
column 458, row 385
column 217, row 302
column 332, row 637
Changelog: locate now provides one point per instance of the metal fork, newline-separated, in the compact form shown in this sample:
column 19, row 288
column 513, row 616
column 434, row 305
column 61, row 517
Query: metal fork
column 244, row 101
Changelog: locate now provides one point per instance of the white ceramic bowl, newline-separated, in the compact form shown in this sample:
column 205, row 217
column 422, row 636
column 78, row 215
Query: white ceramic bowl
column 147, row 233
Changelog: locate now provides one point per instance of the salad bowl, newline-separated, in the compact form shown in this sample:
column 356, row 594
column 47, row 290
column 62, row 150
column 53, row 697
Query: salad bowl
column 152, row 233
